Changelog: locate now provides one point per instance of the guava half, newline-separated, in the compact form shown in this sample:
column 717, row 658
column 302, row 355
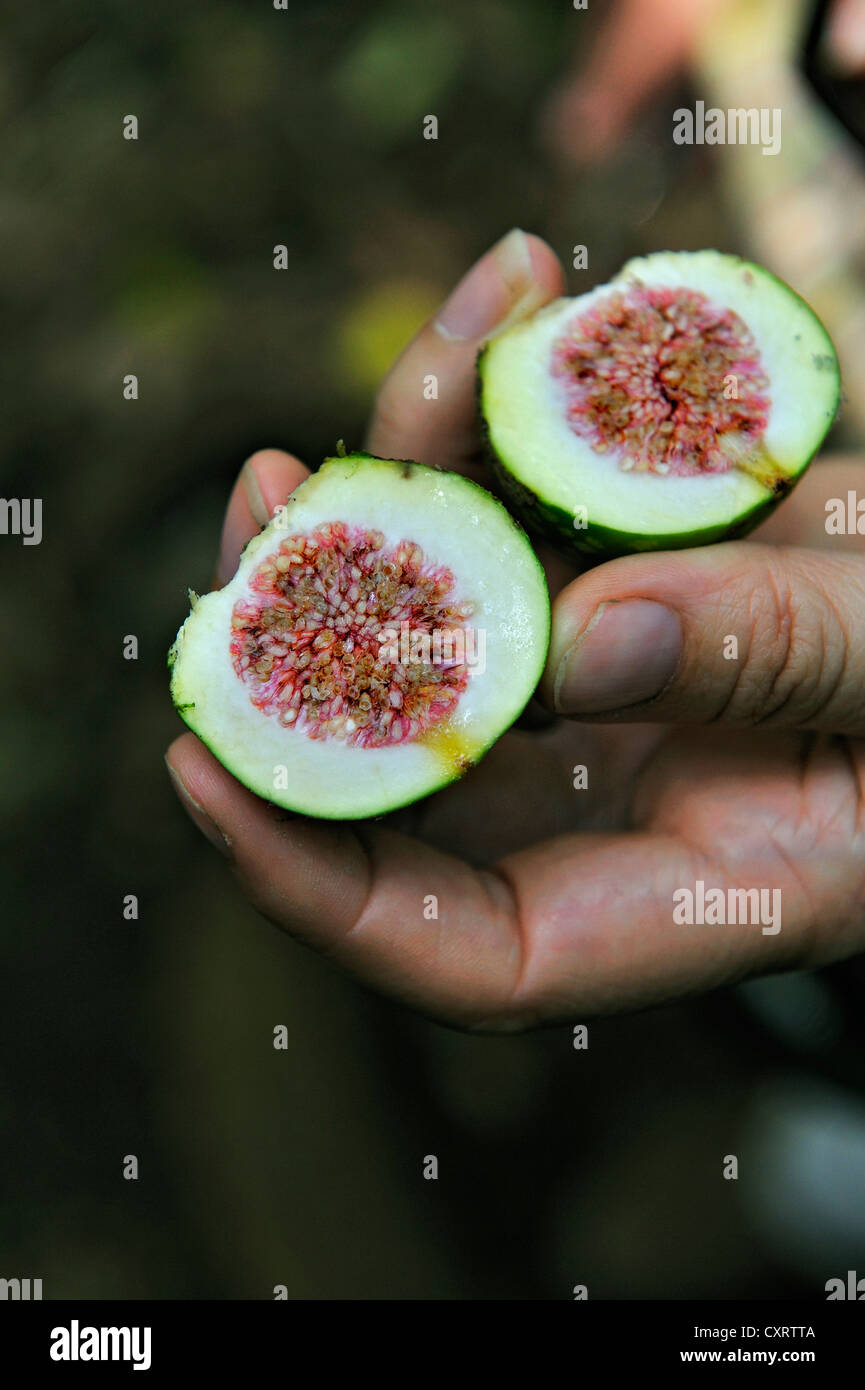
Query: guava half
column 381, row 632
column 673, row 407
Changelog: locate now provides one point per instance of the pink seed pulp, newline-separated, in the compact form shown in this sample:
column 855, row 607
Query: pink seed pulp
column 650, row 372
column 309, row 638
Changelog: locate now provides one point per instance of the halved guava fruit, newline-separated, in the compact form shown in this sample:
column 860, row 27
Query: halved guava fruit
column 381, row 632
column 672, row 407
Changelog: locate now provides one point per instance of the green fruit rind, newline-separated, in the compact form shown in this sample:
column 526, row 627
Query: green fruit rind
column 539, row 467
column 606, row 543
column 457, row 523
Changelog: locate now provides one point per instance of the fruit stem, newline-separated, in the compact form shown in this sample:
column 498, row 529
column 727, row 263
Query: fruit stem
column 765, row 471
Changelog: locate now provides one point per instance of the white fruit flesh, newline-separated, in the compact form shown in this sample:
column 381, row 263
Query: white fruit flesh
column 458, row 526
column 526, row 411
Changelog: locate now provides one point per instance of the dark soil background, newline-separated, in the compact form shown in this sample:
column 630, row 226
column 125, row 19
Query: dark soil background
column 154, row 1037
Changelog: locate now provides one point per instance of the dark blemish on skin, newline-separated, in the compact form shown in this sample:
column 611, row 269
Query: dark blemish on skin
column 822, row 360
column 781, row 487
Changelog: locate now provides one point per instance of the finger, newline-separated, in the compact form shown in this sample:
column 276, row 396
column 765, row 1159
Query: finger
column 642, row 44
column 743, row 633
column 558, row 931
column 513, row 279
column 362, row 897
column 265, row 481
column 845, row 37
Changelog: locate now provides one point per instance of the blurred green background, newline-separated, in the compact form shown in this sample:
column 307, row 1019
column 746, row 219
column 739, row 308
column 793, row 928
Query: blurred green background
column 257, row 1167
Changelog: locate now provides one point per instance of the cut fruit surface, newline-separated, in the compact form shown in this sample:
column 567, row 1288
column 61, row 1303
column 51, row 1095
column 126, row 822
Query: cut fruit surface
column 379, row 635
column 672, row 407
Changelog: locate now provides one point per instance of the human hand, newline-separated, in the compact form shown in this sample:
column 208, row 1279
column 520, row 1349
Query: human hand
column 640, row 48
column 556, row 903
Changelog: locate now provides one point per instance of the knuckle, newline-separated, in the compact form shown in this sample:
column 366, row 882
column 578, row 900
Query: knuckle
column 797, row 653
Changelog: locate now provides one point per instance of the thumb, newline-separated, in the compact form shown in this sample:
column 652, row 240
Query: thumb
column 741, row 633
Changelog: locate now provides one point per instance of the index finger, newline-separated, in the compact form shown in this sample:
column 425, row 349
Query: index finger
column 425, row 408
column 577, row 926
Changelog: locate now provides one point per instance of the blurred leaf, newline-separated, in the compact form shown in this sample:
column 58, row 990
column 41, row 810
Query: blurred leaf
column 377, row 327
column 401, row 65
column 166, row 297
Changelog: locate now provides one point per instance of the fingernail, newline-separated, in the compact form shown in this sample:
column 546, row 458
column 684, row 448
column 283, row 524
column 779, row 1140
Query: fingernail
column 499, row 289
column 629, row 652
column 236, row 531
column 254, row 498
column 198, row 815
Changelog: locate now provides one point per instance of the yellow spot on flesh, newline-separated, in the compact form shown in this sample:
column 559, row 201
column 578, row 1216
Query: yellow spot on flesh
column 450, row 747
column 758, row 463
column 766, row 471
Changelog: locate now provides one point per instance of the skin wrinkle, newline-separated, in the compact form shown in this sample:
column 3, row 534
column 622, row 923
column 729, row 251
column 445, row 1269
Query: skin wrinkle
column 520, row 925
column 785, row 626
column 845, row 746
column 804, row 948
column 366, row 841
column 823, row 648
column 844, row 808
column 784, row 623
column 755, row 711
column 841, row 666
column 810, row 687
column 739, row 668
column 816, row 698
column 498, row 885
column 813, row 923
